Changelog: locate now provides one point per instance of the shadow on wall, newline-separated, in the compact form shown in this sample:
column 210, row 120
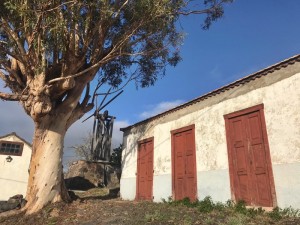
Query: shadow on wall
column 139, row 132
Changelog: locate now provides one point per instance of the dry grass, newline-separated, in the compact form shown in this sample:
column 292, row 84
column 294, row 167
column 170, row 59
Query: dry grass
column 100, row 206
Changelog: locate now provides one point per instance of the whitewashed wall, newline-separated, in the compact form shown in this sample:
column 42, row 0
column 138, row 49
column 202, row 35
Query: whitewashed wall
column 280, row 94
column 14, row 174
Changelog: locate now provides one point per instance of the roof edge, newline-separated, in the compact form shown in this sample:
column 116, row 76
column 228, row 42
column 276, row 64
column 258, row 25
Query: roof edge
column 15, row 134
column 243, row 80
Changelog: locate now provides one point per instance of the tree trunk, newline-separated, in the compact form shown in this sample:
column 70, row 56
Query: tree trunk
column 46, row 183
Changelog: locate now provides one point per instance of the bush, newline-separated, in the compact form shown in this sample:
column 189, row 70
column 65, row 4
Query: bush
column 207, row 205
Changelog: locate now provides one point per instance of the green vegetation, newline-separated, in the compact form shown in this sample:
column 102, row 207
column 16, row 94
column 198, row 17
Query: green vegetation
column 237, row 213
column 116, row 155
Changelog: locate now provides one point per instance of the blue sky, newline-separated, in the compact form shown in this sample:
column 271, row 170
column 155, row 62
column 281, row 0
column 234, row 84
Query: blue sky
column 251, row 36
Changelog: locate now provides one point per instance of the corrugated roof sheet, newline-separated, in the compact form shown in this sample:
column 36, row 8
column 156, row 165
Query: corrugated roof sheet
column 236, row 83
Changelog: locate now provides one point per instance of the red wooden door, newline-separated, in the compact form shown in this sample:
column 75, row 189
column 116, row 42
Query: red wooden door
column 184, row 163
column 250, row 170
column 145, row 170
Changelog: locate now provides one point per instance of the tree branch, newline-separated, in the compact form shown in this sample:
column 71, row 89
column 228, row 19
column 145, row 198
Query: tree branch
column 12, row 97
column 119, row 10
column 99, row 84
column 13, row 73
column 116, row 48
column 14, row 36
column 215, row 4
column 195, row 11
column 3, row 76
column 59, row 6
column 75, row 75
column 87, row 96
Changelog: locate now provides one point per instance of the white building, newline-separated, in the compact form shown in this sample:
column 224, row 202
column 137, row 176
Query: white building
column 15, row 154
column 241, row 141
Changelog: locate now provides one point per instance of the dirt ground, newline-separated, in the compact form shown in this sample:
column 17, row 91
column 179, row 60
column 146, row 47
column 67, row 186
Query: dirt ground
column 99, row 207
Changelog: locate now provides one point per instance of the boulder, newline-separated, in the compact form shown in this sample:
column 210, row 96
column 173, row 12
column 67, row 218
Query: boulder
column 14, row 202
column 83, row 175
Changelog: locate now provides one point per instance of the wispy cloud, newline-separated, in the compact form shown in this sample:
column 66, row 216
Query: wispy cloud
column 216, row 73
column 218, row 76
column 160, row 107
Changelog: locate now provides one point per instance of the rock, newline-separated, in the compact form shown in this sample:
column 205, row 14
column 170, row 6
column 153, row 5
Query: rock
column 83, row 175
column 14, row 202
column 6, row 206
column 15, row 199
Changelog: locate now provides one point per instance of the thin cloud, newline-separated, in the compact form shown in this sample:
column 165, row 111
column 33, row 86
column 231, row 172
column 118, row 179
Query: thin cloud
column 218, row 76
column 160, row 107
column 216, row 73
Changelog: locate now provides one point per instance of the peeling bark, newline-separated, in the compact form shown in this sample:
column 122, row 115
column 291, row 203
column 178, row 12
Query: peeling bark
column 46, row 183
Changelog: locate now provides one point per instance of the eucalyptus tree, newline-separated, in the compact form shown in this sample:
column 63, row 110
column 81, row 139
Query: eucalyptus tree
column 52, row 50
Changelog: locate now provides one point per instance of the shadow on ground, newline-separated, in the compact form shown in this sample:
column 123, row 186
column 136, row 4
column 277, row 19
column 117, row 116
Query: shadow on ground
column 97, row 194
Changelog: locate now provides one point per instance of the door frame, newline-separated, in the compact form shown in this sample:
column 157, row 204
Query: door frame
column 257, row 108
column 138, row 161
column 173, row 132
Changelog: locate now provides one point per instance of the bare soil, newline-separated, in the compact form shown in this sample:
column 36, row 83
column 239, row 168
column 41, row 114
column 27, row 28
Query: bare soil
column 98, row 206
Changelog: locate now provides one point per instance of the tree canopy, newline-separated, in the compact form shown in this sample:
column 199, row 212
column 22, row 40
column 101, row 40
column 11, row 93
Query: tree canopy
column 57, row 45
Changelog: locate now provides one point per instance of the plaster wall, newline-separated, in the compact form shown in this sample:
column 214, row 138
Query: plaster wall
column 14, row 174
column 280, row 94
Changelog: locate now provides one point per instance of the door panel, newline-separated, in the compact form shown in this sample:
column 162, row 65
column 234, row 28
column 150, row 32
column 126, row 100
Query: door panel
column 145, row 170
column 239, row 139
column 260, row 174
column 184, row 163
column 180, row 166
column 190, row 159
column 249, row 168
